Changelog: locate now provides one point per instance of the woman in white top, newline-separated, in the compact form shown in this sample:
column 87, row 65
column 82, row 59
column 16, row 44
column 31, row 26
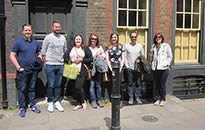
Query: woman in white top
column 161, row 60
column 97, row 50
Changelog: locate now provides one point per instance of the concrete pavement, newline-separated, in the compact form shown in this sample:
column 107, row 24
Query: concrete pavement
column 175, row 115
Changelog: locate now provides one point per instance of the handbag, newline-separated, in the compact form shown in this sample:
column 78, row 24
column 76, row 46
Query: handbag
column 89, row 72
column 71, row 71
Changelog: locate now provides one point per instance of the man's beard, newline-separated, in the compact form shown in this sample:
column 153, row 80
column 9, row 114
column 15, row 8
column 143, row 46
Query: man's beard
column 134, row 41
column 56, row 32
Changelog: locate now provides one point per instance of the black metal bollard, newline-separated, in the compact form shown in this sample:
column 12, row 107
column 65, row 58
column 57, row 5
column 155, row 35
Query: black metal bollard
column 115, row 98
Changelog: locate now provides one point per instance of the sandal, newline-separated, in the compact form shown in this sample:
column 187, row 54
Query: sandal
column 84, row 105
column 77, row 108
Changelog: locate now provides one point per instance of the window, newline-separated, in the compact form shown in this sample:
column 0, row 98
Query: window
column 188, row 17
column 132, row 15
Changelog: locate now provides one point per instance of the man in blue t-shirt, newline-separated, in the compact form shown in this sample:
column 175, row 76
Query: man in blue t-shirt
column 24, row 57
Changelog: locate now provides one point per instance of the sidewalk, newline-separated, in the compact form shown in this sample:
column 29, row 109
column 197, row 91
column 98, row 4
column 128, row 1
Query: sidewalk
column 175, row 115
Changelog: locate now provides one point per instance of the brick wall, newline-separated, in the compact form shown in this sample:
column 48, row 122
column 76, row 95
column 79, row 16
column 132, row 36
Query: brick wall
column 163, row 18
column 100, row 19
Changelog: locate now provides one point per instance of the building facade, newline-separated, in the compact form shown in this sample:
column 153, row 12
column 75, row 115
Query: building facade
column 180, row 21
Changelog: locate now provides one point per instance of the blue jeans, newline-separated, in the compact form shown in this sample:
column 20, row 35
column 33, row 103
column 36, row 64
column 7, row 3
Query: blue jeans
column 95, row 81
column 160, row 77
column 26, row 80
column 54, row 78
column 130, row 73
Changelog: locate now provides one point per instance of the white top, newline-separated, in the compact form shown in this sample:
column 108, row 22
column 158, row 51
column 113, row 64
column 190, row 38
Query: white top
column 77, row 52
column 132, row 53
column 162, row 60
column 100, row 50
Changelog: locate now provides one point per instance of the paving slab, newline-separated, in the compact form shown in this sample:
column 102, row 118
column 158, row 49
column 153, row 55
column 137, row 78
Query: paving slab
column 175, row 115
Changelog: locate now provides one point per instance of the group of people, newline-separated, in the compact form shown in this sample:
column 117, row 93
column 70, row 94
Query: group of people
column 28, row 57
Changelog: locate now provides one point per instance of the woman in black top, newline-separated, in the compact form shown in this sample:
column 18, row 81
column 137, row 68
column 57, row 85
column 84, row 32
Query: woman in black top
column 84, row 56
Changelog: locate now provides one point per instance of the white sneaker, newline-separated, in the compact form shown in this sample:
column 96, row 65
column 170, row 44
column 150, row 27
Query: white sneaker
column 157, row 103
column 50, row 107
column 58, row 106
column 162, row 103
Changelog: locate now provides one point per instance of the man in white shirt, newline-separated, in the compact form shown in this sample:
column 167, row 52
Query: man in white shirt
column 132, row 51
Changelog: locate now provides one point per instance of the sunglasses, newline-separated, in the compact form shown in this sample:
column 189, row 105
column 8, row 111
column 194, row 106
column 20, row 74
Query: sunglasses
column 94, row 39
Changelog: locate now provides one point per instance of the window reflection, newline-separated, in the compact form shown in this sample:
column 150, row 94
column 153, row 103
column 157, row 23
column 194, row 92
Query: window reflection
column 132, row 18
column 122, row 18
column 142, row 18
column 179, row 5
column 195, row 21
column 187, row 21
column 133, row 4
column 142, row 4
column 196, row 5
column 122, row 3
column 188, row 6
column 179, row 21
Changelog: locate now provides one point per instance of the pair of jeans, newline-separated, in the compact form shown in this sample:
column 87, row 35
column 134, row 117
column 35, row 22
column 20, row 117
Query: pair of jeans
column 26, row 81
column 130, row 74
column 95, row 81
column 160, row 77
column 54, row 77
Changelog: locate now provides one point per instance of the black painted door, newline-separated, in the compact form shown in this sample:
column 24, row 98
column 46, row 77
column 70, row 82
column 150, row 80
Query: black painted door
column 43, row 12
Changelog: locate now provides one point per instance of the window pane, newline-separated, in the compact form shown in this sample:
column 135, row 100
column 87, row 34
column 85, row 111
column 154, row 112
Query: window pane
column 122, row 3
column 142, row 4
column 188, row 6
column 179, row 5
column 187, row 20
column 132, row 4
column 122, row 18
column 142, row 18
column 195, row 21
column 196, row 6
column 179, row 20
column 132, row 18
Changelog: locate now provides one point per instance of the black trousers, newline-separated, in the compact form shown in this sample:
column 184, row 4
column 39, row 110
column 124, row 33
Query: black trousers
column 79, row 89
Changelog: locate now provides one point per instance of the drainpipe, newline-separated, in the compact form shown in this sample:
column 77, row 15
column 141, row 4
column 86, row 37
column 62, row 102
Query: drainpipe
column 3, row 56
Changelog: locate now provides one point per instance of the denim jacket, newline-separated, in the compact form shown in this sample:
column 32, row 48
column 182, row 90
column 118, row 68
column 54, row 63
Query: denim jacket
column 163, row 59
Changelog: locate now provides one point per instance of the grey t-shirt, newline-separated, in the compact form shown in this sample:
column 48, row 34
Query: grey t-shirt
column 53, row 48
column 131, row 53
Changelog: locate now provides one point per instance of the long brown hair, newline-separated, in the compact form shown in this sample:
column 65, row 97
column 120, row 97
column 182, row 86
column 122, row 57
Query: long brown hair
column 118, row 44
column 90, row 37
column 156, row 36
column 82, row 45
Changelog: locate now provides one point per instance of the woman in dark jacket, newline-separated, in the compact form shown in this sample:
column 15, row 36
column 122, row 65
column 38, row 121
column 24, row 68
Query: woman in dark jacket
column 81, row 55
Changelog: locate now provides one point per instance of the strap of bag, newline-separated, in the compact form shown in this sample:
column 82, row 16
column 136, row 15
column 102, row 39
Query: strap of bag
column 89, row 72
column 86, row 67
column 76, row 51
column 83, row 63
